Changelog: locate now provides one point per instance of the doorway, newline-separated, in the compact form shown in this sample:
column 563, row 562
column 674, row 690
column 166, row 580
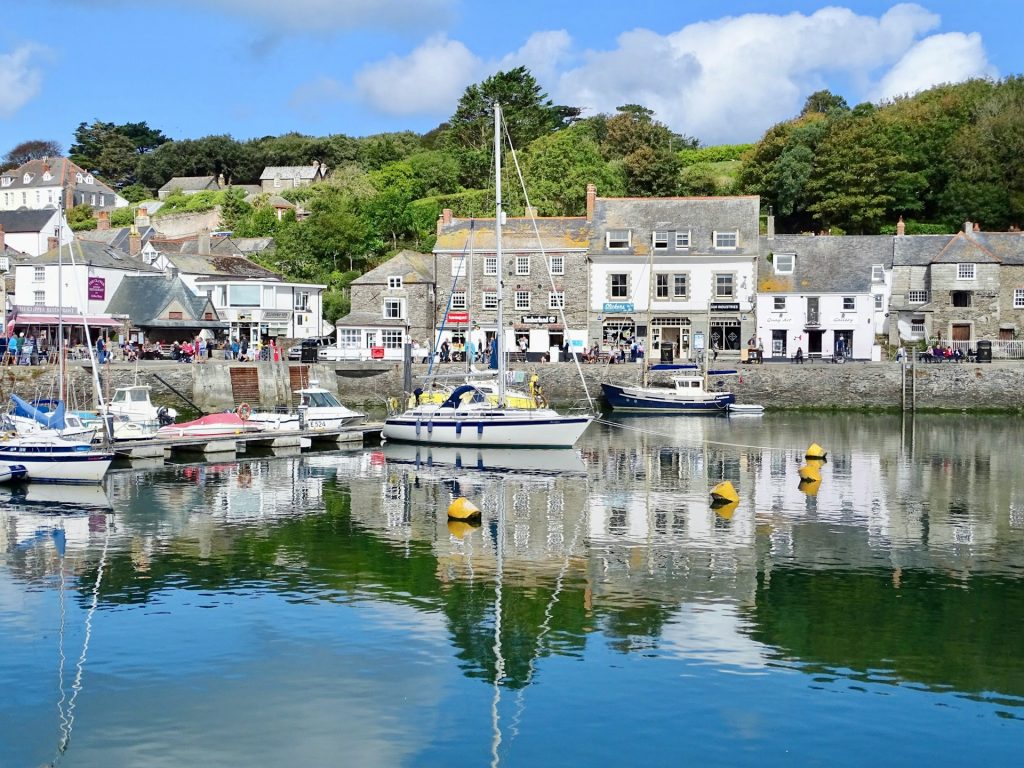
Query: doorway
column 961, row 332
column 779, row 343
column 814, row 343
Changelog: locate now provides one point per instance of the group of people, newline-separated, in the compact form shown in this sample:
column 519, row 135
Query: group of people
column 939, row 352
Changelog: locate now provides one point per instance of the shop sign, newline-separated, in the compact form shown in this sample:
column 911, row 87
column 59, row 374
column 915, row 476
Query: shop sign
column 275, row 314
column 97, row 288
column 618, row 307
column 725, row 306
column 539, row 319
column 458, row 317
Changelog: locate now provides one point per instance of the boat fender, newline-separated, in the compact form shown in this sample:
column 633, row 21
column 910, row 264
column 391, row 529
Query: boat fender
column 480, row 428
column 244, row 411
column 458, row 427
column 430, row 427
column 417, row 427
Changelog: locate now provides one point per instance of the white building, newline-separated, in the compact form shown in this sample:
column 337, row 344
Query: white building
column 33, row 232
column 47, row 182
column 818, row 294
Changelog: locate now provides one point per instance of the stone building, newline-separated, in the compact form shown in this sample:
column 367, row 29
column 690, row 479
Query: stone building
column 544, row 265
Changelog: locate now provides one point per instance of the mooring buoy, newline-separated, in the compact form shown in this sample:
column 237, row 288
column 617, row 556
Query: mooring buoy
column 463, row 509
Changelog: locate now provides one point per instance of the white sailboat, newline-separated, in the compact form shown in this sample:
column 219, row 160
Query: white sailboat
column 467, row 417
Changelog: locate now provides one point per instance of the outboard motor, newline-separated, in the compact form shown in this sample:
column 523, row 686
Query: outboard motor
column 163, row 417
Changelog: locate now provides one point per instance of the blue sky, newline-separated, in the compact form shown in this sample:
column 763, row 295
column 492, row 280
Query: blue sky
column 722, row 71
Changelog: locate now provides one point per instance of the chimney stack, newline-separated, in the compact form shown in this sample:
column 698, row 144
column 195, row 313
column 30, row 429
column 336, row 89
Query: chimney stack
column 103, row 220
column 52, row 243
column 977, row 226
column 901, row 228
column 444, row 220
column 204, row 242
column 134, row 242
column 770, row 227
column 968, row 227
column 591, row 201
column 142, row 216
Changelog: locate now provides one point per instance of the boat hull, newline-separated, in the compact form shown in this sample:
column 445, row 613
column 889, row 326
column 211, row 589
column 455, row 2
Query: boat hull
column 652, row 400
column 531, row 429
column 59, row 465
column 314, row 423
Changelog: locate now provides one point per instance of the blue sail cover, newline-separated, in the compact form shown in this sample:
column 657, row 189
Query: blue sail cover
column 51, row 419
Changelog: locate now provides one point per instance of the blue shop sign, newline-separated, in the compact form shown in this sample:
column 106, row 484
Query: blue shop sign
column 617, row 307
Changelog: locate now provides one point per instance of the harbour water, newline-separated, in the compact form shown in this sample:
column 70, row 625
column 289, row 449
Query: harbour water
column 321, row 610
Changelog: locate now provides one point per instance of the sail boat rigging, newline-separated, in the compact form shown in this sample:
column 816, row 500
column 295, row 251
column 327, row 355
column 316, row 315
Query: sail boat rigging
column 467, row 416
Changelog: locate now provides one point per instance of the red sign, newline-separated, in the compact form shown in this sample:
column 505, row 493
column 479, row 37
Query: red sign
column 458, row 317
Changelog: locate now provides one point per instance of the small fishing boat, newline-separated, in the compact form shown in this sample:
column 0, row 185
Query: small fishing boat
column 212, row 425
column 10, row 473
column 319, row 410
column 49, row 458
column 133, row 402
column 682, row 394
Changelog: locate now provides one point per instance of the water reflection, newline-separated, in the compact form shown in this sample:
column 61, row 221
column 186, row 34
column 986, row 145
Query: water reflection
column 900, row 567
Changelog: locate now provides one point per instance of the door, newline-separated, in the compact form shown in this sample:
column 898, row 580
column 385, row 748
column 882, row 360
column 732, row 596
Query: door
column 814, row 343
column 779, row 343
column 961, row 332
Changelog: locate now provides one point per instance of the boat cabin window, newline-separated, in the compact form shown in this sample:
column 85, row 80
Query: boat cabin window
column 119, row 396
column 139, row 395
column 323, row 400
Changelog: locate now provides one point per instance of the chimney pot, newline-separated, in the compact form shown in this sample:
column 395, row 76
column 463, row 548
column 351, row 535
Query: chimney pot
column 977, row 226
column 591, row 201
column 901, row 227
column 967, row 226
column 770, row 227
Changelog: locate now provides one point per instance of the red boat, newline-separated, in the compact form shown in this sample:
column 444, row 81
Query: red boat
column 214, row 425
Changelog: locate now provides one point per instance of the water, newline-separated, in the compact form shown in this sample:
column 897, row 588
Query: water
column 320, row 610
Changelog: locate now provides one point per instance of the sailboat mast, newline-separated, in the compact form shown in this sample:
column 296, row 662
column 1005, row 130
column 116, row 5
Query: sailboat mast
column 499, row 341
column 60, row 303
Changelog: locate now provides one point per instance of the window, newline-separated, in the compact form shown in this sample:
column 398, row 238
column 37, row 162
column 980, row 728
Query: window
column 89, row 179
column 557, row 265
column 780, row 304
column 619, row 238
column 917, row 326
column 917, row 297
column 556, row 300
column 661, row 286
column 964, row 271
column 348, row 338
column 394, row 282
column 244, row 295
column 47, row 175
column 522, row 299
column 849, row 303
column 879, row 302
column 92, row 200
column 522, row 265
column 458, row 300
column 489, row 300
column 490, row 265
column 78, row 178
column 459, row 264
column 28, row 177
column 172, row 315
column 784, row 263
column 392, row 338
column 960, row 298
column 680, row 285
column 39, row 274
column 618, row 286
column 660, row 241
column 727, row 240
column 1018, row 298
column 302, row 301
column 394, row 309
column 683, row 239
column 724, row 285
column 39, row 298
column 877, row 273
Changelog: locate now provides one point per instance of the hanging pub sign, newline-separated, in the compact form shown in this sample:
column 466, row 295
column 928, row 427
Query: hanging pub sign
column 97, row 288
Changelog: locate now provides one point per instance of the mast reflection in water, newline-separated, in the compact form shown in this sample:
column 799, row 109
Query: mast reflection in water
column 322, row 609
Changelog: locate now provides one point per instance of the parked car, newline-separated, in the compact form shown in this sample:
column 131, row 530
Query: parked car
column 316, row 342
column 334, row 354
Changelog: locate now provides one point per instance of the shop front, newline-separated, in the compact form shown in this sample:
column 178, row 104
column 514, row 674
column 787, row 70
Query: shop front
column 726, row 326
column 670, row 330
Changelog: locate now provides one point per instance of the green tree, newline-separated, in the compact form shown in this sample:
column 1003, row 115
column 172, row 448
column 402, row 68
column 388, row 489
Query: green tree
column 558, row 168
column 824, row 102
column 136, row 193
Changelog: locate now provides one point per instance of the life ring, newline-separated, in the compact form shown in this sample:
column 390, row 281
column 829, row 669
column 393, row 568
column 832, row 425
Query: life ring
column 244, row 411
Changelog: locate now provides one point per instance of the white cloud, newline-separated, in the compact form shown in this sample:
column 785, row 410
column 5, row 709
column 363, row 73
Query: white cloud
column 429, row 80
column 723, row 80
column 20, row 78
column 948, row 58
column 327, row 15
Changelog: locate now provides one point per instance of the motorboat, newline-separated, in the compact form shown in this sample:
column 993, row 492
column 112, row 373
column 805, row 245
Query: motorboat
column 10, row 473
column 50, row 458
column 468, row 416
column 319, row 411
column 212, row 425
column 681, row 394
column 134, row 403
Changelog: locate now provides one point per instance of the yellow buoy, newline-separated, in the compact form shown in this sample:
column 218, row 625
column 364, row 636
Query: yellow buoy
column 815, row 452
column 810, row 487
column 459, row 528
column 463, row 509
column 725, row 510
column 810, row 471
column 724, row 492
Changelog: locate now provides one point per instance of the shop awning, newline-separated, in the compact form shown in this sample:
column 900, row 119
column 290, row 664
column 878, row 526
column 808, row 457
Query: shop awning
column 99, row 321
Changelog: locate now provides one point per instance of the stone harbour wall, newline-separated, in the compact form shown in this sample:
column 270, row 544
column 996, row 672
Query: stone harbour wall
column 942, row 386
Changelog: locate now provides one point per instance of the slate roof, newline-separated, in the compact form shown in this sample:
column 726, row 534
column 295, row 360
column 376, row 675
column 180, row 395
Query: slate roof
column 292, row 171
column 411, row 266
column 26, row 220
column 190, row 183
column 556, row 233
column 960, row 248
column 96, row 254
column 824, row 264
column 702, row 216
column 143, row 298
column 221, row 266
column 368, row 319
column 63, row 173
column 116, row 237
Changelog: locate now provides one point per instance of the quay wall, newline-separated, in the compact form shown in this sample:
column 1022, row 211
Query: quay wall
column 942, row 386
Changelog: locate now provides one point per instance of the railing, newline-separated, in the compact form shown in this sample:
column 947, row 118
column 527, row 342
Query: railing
column 1001, row 349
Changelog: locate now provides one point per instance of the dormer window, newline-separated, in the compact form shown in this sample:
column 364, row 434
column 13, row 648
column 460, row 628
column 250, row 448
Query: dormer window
column 683, row 239
column 619, row 238
column 6, row 181
column 78, row 178
column 89, row 179
column 784, row 263
column 660, row 241
column 727, row 241
column 877, row 273
column 26, row 178
column 47, row 176
column 394, row 282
